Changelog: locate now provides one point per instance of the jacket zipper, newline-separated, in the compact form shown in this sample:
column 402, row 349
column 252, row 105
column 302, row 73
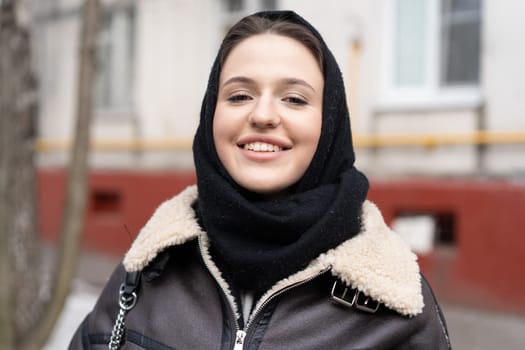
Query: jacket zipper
column 240, row 334
column 239, row 339
column 281, row 291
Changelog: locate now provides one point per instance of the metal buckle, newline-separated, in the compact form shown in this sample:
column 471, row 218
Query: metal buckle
column 341, row 296
column 365, row 303
column 353, row 298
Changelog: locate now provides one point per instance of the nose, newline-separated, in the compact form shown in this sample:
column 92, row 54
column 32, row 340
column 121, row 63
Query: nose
column 264, row 113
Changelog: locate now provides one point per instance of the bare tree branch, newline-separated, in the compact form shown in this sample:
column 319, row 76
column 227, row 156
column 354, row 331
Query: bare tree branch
column 77, row 181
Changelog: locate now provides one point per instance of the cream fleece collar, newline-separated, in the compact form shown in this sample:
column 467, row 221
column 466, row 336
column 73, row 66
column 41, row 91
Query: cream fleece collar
column 376, row 261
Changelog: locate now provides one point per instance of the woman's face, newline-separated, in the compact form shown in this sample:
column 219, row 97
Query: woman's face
column 268, row 116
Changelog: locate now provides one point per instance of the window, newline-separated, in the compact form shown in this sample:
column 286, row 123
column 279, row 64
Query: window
column 432, row 50
column 115, row 60
column 460, row 42
column 234, row 10
column 248, row 6
column 234, row 5
column 410, row 38
column 425, row 231
column 269, row 4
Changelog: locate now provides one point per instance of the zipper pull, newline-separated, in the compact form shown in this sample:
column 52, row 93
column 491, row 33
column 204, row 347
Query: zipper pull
column 239, row 340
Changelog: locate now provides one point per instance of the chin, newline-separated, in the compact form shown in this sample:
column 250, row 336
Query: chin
column 265, row 190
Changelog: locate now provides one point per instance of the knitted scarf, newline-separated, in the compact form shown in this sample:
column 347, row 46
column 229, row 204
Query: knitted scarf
column 257, row 241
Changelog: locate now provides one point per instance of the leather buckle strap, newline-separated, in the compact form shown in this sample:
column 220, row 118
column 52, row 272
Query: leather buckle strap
column 353, row 298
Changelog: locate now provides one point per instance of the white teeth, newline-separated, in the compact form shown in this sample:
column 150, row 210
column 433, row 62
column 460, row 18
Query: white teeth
column 262, row 147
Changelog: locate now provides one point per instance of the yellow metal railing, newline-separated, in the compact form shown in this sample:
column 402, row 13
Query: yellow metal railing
column 360, row 141
column 433, row 140
column 48, row 145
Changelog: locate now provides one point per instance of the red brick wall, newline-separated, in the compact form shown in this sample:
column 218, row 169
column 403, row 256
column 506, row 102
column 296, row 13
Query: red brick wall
column 482, row 265
column 118, row 202
column 485, row 264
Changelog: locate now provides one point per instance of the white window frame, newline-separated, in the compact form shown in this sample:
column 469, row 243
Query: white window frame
column 431, row 94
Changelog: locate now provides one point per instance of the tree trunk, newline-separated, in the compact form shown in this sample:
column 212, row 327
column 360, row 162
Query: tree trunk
column 73, row 223
column 26, row 320
column 19, row 300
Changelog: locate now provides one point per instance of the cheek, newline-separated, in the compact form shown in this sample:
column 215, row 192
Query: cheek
column 224, row 121
column 223, row 135
column 219, row 125
column 310, row 134
column 308, row 130
column 312, row 146
column 216, row 126
column 218, row 134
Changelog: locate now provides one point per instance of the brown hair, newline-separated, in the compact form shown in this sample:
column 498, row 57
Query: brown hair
column 254, row 25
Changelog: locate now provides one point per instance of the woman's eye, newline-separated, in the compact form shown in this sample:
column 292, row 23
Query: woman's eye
column 295, row 101
column 239, row 98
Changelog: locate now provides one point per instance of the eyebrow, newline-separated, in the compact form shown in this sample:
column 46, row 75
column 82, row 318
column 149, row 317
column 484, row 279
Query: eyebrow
column 238, row 79
column 286, row 81
column 295, row 81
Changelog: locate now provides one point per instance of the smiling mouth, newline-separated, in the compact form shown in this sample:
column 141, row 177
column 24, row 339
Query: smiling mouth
column 262, row 147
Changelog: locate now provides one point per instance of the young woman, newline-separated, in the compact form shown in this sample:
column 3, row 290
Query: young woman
column 276, row 247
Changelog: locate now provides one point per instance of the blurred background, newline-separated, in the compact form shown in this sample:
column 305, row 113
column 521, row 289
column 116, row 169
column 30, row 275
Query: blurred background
column 437, row 101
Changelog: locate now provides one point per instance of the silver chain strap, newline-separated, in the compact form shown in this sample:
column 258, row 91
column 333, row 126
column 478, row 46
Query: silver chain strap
column 126, row 302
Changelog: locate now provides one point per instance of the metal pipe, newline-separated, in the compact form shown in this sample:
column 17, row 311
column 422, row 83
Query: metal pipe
column 434, row 140
column 360, row 141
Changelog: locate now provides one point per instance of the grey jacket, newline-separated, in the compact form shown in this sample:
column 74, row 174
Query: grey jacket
column 367, row 293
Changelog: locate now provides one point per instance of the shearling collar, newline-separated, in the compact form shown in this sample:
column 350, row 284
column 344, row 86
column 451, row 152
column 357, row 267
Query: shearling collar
column 376, row 261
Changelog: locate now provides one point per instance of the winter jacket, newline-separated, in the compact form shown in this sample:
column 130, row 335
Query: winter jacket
column 367, row 293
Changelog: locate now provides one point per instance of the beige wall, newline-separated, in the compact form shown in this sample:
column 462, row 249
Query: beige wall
column 176, row 42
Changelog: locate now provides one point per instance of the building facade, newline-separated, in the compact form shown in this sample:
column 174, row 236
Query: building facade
column 437, row 107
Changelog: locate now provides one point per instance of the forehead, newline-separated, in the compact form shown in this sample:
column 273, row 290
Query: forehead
column 272, row 53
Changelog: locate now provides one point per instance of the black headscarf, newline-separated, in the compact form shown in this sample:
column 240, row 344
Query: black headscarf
column 257, row 241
